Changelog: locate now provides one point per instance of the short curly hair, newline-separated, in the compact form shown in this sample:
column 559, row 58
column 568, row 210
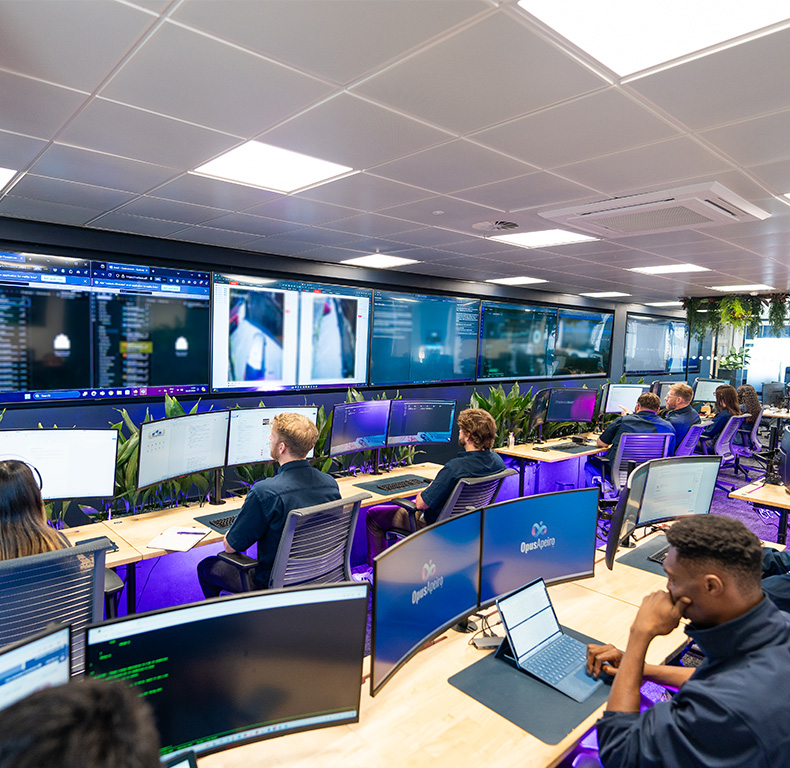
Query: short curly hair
column 703, row 540
column 480, row 426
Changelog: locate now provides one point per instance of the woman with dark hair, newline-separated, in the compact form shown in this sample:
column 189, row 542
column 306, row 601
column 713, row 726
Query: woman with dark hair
column 726, row 407
column 750, row 407
column 23, row 523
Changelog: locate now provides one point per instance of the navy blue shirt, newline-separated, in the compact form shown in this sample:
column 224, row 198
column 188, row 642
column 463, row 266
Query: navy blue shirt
column 681, row 419
column 465, row 464
column 730, row 714
column 644, row 422
column 262, row 516
column 713, row 429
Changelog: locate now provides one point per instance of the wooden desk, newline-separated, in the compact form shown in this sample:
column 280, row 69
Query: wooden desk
column 532, row 453
column 776, row 413
column 773, row 497
column 348, row 485
column 419, row 719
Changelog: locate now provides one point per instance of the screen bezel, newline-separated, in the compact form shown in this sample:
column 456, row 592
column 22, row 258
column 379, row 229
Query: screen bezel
column 571, row 421
column 332, row 454
column 608, row 317
column 451, row 433
column 193, row 472
column 718, row 382
column 266, row 594
column 439, row 629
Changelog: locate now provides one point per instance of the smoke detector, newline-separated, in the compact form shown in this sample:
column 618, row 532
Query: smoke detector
column 494, row 226
column 693, row 207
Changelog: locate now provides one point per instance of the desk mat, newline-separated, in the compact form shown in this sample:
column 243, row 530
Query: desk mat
column 576, row 448
column 533, row 706
column 374, row 485
column 637, row 558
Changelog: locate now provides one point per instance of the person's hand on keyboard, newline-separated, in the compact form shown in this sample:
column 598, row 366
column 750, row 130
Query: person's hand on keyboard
column 603, row 659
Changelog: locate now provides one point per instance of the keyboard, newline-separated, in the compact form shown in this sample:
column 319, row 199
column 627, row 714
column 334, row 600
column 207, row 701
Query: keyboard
column 400, row 485
column 660, row 555
column 571, row 447
column 219, row 524
column 555, row 661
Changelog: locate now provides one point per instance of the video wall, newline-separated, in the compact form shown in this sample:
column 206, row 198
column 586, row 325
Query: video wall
column 83, row 329
column 655, row 346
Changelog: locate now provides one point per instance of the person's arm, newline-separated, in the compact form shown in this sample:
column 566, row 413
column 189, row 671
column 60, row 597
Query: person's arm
column 421, row 505
column 606, row 658
column 251, row 523
column 607, row 436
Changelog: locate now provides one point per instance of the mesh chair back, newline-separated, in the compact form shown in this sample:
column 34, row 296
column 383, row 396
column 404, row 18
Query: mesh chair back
column 66, row 586
column 689, row 442
column 474, row 492
column 723, row 445
column 638, row 448
column 754, row 444
column 315, row 547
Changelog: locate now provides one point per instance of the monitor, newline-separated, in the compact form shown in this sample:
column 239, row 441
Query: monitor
column 73, row 463
column 422, row 339
column 661, row 388
column 540, row 409
column 584, row 343
column 359, row 426
column 30, row 665
column 655, row 345
column 566, row 404
column 418, row 422
column 705, row 390
column 237, row 669
column 784, row 455
column 249, row 429
column 661, row 490
column 516, row 341
column 550, row 536
column 774, row 393
column 421, row 586
column 619, row 396
column 171, row 448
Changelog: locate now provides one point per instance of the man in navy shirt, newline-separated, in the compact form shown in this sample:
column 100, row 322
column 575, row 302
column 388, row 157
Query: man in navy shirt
column 680, row 414
column 476, row 434
column 262, row 516
column 727, row 712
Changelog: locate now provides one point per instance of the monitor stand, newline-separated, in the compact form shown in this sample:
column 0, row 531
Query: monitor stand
column 377, row 461
column 216, row 494
column 540, row 439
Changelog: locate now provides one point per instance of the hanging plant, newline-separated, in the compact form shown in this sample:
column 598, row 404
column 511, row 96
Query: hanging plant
column 714, row 316
column 697, row 321
column 777, row 312
column 755, row 320
column 734, row 311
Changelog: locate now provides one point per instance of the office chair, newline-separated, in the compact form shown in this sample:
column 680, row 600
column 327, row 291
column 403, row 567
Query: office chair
column 315, row 547
column 751, row 445
column 66, row 585
column 724, row 448
column 469, row 493
column 689, row 441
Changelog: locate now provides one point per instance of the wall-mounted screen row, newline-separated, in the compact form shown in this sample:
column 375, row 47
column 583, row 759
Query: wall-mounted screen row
column 660, row 345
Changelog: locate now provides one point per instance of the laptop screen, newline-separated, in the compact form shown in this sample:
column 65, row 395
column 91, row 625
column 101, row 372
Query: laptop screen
column 529, row 619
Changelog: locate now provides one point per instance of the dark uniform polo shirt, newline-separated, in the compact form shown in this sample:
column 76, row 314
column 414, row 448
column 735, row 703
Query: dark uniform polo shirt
column 644, row 422
column 262, row 516
column 681, row 420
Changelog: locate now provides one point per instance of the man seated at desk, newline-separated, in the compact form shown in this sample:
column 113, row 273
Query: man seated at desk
column 644, row 420
column 262, row 516
column 476, row 435
column 728, row 712
column 680, row 414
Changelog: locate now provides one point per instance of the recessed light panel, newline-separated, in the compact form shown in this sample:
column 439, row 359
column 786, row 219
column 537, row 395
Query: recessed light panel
column 740, row 288
column 378, row 261
column 516, row 280
column 543, row 238
column 604, row 295
column 668, row 269
column 280, row 170
column 629, row 37
column 6, row 174
column 663, row 303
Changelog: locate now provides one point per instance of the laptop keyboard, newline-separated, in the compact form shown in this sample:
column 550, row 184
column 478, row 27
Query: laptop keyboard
column 660, row 555
column 224, row 522
column 555, row 661
column 399, row 485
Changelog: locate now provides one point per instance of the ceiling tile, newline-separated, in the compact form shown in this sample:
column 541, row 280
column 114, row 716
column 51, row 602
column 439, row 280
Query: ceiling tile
column 372, row 224
column 428, row 236
column 776, row 175
column 253, row 225
column 139, row 225
column 17, row 152
column 171, row 210
column 754, row 142
column 214, row 193
column 208, row 236
column 446, row 212
column 301, row 211
column 55, row 190
column 41, row 210
column 365, row 192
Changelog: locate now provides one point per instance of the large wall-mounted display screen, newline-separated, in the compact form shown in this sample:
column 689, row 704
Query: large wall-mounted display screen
column 420, row 339
column 655, row 345
column 269, row 335
column 74, row 329
column 584, row 342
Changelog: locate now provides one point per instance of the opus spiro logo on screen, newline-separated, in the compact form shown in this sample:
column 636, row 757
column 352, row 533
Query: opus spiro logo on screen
column 432, row 582
column 540, row 539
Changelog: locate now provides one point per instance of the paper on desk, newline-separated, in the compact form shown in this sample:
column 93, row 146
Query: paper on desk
column 178, row 539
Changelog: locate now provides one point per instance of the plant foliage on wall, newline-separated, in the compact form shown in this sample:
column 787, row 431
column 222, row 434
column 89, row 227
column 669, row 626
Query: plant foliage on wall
column 742, row 312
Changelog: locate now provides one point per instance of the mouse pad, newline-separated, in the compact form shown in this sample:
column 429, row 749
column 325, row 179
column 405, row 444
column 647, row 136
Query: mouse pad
column 526, row 702
column 637, row 558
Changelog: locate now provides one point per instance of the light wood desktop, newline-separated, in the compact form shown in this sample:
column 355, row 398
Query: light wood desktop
column 776, row 413
column 773, row 497
column 419, row 719
column 537, row 453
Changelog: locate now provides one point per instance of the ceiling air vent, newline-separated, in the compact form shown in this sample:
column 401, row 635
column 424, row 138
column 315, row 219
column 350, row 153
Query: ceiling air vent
column 693, row 207
column 494, row 226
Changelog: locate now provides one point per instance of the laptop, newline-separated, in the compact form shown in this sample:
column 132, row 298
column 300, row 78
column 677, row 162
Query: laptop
column 538, row 646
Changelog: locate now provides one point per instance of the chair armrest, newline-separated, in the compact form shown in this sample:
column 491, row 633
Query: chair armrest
column 411, row 507
column 238, row 560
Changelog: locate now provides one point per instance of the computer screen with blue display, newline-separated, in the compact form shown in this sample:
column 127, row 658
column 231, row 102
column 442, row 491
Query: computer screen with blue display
column 359, row 426
column 415, row 422
column 422, row 585
column 38, row 662
column 550, row 536
column 421, row 339
column 243, row 668
column 584, row 342
column 566, row 404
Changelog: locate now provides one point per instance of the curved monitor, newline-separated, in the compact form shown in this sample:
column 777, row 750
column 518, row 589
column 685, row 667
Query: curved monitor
column 248, row 436
column 171, row 448
column 421, row 586
column 550, row 536
column 661, row 490
column 540, row 409
column 419, row 422
column 705, row 390
column 567, row 404
column 232, row 670
column 359, row 426
column 619, row 396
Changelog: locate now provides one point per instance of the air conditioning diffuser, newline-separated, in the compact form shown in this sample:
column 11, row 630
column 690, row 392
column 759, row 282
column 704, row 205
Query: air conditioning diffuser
column 692, row 207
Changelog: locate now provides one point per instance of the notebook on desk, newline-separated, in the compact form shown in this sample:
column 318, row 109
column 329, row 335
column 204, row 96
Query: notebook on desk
column 537, row 644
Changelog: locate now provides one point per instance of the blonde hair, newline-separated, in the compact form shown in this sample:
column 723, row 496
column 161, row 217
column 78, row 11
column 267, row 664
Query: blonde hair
column 296, row 431
column 683, row 391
